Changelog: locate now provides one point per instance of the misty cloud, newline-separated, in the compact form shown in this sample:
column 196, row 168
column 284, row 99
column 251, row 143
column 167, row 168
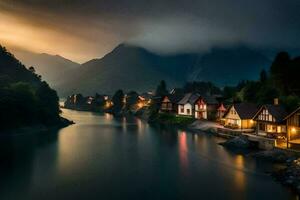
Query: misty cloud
column 92, row 28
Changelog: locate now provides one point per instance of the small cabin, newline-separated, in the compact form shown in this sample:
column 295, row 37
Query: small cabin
column 169, row 103
column 239, row 116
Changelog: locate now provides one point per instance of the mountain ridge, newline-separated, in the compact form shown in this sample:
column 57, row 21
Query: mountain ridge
column 131, row 67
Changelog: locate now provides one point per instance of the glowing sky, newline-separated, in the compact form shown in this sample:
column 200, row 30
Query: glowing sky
column 81, row 30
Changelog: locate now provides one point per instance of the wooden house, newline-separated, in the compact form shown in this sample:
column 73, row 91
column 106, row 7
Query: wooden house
column 293, row 128
column 239, row 116
column 270, row 122
column 169, row 103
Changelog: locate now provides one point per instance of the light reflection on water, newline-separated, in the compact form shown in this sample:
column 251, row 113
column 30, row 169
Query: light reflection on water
column 183, row 151
column 102, row 157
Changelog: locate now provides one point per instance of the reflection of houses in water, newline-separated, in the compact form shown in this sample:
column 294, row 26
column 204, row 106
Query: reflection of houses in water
column 239, row 175
column 183, row 150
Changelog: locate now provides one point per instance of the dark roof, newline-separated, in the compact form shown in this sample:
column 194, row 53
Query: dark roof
column 292, row 113
column 277, row 111
column 193, row 97
column 175, row 98
column 189, row 98
column 208, row 99
column 244, row 110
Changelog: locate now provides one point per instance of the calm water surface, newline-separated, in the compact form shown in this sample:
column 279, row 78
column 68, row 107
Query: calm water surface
column 105, row 158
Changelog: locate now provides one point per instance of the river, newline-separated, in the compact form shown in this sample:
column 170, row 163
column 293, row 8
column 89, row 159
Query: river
column 101, row 157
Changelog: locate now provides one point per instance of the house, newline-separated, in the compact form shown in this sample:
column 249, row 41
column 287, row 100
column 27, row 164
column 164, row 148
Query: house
column 200, row 109
column 221, row 110
column 186, row 106
column 270, row 121
column 198, row 106
column 293, row 128
column 169, row 103
column 239, row 116
column 205, row 107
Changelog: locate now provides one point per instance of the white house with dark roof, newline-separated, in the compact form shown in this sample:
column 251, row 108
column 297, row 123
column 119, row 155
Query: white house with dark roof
column 198, row 106
column 186, row 106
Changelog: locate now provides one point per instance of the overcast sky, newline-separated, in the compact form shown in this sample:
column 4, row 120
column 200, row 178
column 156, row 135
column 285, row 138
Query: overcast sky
column 81, row 30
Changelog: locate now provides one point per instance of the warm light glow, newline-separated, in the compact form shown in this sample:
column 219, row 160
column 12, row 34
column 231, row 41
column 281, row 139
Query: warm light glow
column 183, row 150
column 140, row 105
column 251, row 121
column 293, row 130
column 239, row 174
column 278, row 129
column 108, row 104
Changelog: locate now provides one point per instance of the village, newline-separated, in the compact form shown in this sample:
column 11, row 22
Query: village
column 269, row 125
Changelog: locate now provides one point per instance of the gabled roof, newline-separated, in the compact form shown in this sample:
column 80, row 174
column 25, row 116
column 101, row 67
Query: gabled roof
column 277, row 111
column 193, row 97
column 208, row 99
column 173, row 98
column 189, row 98
column 244, row 110
column 291, row 114
column 221, row 107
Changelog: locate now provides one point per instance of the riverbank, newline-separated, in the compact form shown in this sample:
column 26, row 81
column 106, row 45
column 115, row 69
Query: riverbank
column 289, row 172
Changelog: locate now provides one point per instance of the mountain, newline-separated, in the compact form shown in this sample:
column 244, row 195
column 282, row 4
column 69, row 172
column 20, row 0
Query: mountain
column 51, row 67
column 126, row 67
column 228, row 66
column 134, row 68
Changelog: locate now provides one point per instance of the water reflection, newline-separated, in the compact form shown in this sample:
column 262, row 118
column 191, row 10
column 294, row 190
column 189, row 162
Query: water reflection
column 95, row 159
column 18, row 166
column 239, row 173
column 183, row 151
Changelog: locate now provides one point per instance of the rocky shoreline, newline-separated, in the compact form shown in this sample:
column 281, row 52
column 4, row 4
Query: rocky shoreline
column 289, row 172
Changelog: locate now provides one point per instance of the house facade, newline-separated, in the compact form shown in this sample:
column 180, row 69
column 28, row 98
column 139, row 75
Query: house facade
column 166, row 105
column 239, row 116
column 169, row 103
column 270, row 123
column 200, row 109
column 198, row 106
column 186, row 106
column 293, row 128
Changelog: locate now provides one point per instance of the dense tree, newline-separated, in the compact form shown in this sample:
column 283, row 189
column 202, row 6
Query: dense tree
column 161, row 89
column 132, row 99
column 282, row 82
column 202, row 88
column 118, row 101
column 31, row 69
column 263, row 76
column 24, row 98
